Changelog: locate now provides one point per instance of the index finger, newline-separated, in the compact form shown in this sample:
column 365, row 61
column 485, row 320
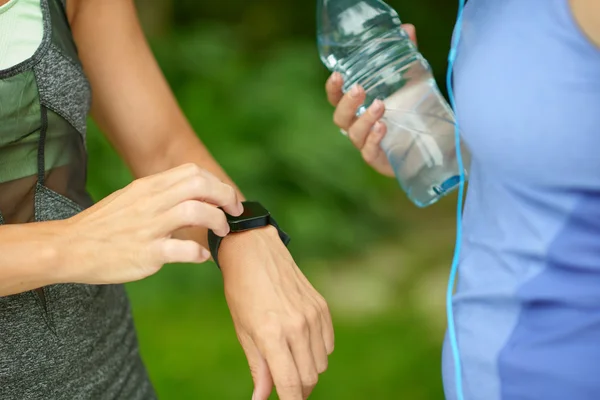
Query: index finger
column 204, row 187
column 225, row 197
column 334, row 88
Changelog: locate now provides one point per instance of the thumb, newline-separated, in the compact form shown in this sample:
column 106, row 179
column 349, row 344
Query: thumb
column 261, row 375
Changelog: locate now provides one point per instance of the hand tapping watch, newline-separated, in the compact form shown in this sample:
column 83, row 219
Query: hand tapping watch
column 254, row 216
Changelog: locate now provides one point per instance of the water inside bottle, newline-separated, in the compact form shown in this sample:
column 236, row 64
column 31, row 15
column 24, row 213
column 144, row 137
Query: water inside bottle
column 424, row 162
column 363, row 40
column 420, row 139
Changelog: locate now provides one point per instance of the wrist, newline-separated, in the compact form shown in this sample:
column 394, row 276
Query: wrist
column 236, row 244
column 50, row 252
column 254, row 228
column 30, row 257
column 239, row 240
column 69, row 249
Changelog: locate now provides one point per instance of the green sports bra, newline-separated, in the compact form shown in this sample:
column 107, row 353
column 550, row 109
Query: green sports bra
column 21, row 31
column 44, row 100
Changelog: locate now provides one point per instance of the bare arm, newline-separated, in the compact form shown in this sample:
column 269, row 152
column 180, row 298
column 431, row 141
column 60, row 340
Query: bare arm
column 123, row 238
column 132, row 103
column 30, row 257
column 283, row 324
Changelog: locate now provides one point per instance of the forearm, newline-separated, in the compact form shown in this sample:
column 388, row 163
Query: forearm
column 185, row 147
column 133, row 103
column 31, row 255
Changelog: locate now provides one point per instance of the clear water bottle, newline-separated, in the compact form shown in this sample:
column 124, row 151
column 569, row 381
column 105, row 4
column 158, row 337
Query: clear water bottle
column 363, row 40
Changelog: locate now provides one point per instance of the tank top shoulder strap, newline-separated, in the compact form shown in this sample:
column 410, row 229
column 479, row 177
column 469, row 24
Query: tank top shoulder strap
column 70, row 101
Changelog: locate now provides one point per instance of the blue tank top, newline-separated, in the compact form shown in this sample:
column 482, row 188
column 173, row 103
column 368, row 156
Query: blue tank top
column 527, row 308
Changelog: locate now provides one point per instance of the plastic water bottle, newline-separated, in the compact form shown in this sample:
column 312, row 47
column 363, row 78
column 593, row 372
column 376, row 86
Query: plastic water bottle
column 363, row 40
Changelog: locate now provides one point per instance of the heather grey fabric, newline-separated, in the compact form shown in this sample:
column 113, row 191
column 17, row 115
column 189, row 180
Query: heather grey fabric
column 63, row 88
column 67, row 341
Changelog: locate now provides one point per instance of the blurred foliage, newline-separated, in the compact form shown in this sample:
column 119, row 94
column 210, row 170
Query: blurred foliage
column 247, row 75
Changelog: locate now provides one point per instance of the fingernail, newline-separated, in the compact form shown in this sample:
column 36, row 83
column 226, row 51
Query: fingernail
column 376, row 107
column 377, row 128
column 336, row 77
column 355, row 91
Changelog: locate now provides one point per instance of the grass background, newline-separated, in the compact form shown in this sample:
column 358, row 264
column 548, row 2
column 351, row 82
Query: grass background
column 248, row 77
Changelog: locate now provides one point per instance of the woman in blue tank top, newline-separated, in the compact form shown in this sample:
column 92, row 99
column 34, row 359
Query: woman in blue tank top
column 527, row 306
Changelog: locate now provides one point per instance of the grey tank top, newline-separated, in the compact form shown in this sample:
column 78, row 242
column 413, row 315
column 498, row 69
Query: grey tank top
column 66, row 341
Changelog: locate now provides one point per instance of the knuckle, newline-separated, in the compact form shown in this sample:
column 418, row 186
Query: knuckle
column 194, row 169
column 321, row 302
column 354, row 136
column 298, row 324
column 290, row 383
column 136, row 184
column 188, row 211
column 199, row 184
column 357, row 135
column 207, row 174
column 337, row 119
column 368, row 156
column 323, row 305
column 231, row 194
column 368, row 119
column 160, row 253
column 313, row 315
column 356, row 143
column 270, row 330
column 323, row 366
column 311, row 380
column 334, row 97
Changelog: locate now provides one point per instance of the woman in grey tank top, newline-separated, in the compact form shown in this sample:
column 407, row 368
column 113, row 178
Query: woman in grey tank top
column 66, row 330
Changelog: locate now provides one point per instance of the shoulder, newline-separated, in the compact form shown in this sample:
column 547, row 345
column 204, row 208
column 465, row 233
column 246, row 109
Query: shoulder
column 587, row 15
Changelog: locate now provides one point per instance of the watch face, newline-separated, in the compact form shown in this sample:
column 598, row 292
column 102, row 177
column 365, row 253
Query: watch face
column 252, row 209
column 254, row 216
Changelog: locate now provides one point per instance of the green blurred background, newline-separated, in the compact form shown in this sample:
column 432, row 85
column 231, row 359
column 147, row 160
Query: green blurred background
column 248, row 76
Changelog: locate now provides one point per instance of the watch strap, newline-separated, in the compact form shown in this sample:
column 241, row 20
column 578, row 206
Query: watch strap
column 214, row 240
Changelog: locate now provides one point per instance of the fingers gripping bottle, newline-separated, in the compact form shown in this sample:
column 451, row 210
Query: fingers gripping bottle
column 363, row 40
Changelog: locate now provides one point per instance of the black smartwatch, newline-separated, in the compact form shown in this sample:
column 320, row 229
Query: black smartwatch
column 254, row 216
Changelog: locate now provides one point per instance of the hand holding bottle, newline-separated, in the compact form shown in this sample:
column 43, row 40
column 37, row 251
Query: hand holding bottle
column 364, row 41
column 365, row 132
